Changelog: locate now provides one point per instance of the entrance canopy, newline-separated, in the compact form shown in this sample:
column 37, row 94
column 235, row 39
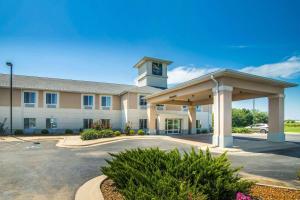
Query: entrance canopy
column 220, row 88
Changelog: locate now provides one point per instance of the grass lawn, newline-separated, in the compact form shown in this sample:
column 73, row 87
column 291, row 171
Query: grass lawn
column 292, row 129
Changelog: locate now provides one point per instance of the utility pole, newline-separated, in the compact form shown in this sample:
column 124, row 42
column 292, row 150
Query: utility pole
column 9, row 64
column 253, row 110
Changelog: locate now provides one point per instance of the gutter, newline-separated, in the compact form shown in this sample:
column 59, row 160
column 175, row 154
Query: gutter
column 218, row 106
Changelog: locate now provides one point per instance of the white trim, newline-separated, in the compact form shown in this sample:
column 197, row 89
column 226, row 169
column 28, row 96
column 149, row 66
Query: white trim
column 100, row 102
column 276, row 96
column 36, row 98
column 223, row 88
column 82, row 101
column 45, row 100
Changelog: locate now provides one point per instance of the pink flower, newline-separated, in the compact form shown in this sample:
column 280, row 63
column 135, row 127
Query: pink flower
column 241, row 196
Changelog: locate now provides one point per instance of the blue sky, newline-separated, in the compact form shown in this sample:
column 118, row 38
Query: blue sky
column 101, row 40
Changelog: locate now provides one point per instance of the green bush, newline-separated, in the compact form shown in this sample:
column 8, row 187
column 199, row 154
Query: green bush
column 19, row 132
column 44, row 131
column 117, row 133
column 141, row 132
column 203, row 130
column 146, row 174
column 68, row 131
column 105, row 133
column 89, row 134
column 131, row 132
column 240, row 130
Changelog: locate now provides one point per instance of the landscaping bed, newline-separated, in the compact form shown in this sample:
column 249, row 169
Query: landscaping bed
column 259, row 192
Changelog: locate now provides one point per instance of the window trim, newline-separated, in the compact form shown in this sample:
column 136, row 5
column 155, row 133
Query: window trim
column 184, row 109
column 35, row 104
column 111, row 102
column 29, row 127
column 157, row 105
column 82, row 102
column 146, row 124
column 141, row 107
column 88, row 122
column 45, row 99
column 55, row 121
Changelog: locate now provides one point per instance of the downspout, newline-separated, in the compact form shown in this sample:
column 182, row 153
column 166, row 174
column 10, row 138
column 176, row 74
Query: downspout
column 218, row 106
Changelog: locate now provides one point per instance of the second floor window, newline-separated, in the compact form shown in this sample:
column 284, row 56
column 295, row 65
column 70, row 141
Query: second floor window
column 160, row 107
column 51, row 100
column 185, row 108
column 198, row 109
column 106, row 102
column 143, row 102
column 88, row 101
column 29, row 99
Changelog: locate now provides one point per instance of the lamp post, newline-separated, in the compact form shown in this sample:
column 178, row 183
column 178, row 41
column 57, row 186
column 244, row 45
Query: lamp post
column 9, row 64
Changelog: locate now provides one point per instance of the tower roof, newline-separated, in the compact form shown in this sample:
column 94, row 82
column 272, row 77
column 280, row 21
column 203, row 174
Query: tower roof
column 145, row 59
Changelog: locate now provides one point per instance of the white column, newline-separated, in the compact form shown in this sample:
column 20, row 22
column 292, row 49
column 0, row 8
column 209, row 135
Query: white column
column 151, row 113
column 223, row 116
column 192, row 119
column 276, row 118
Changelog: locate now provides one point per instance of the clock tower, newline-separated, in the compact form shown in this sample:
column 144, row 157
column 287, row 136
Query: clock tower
column 152, row 72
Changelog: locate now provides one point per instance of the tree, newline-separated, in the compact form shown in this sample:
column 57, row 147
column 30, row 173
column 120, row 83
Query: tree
column 241, row 117
column 260, row 117
column 244, row 117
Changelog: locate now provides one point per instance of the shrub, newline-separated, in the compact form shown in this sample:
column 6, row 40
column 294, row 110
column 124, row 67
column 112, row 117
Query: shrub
column 240, row 130
column 89, row 134
column 141, row 132
column 19, row 132
column 44, row 131
column 68, row 131
column 131, row 132
column 203, row 130
column 105, row 133
column 117, row 133
column 127, row 128
column 156, row 174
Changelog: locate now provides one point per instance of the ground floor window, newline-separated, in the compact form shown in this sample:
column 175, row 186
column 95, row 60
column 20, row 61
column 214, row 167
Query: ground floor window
column 198, row 125
column 143, row 124
column 173, row 126
column 51, row 123
column 29, row 123
column 105, row 123
column 87, row 123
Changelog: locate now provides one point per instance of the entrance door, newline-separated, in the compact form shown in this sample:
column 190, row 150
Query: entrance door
column 173, row 126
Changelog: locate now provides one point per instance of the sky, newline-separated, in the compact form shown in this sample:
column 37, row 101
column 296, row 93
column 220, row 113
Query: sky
column 101, row 40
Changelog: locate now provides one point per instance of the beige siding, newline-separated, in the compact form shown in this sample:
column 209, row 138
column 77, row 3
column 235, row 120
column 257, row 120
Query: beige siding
column 97, row 103
column 173, row 107
column 5, row 97
column 70, row 100
column 41, row 98
column 132, row 101
column 116, row 102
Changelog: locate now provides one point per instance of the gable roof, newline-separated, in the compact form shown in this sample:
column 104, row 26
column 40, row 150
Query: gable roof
column 67, row 85
column 227, row 73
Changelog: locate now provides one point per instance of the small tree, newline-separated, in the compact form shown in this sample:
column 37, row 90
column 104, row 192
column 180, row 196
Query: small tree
column 128, row 127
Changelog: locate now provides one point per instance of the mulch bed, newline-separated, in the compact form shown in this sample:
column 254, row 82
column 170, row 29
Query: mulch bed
column 259, row 192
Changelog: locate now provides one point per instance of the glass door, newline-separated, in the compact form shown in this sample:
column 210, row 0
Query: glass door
column 173, row 126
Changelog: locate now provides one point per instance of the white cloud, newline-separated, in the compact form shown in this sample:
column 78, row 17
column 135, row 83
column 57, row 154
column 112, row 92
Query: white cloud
column 185, row 73
column 285, row 69
column 288, row 68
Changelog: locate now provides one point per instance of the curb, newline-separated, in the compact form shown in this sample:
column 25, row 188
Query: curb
column 90, row 190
